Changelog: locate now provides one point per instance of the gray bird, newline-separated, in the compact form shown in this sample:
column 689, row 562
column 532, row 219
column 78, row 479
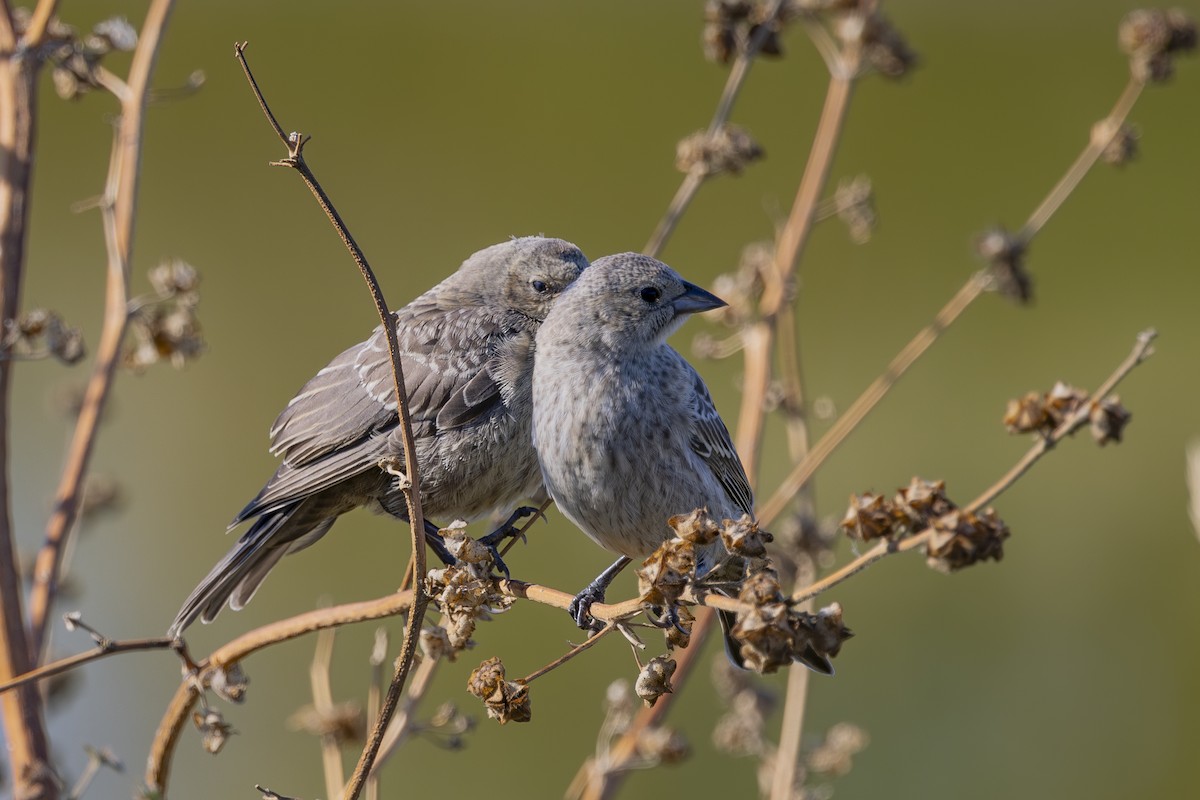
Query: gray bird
column 467, row 348
column 625, row 429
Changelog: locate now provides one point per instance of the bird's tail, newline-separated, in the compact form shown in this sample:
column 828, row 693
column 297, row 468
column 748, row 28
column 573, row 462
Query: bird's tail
column 237, row 576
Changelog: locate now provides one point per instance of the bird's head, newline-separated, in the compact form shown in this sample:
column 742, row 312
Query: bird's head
column 630, row 300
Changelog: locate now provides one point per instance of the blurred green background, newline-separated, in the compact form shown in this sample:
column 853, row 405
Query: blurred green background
column 1067, row 670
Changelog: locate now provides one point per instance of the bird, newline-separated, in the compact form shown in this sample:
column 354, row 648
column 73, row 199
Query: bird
column 467, row 348
column 625, row 429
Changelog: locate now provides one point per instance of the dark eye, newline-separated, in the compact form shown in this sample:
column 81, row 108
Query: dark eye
column 651, row 294
column 538, row 286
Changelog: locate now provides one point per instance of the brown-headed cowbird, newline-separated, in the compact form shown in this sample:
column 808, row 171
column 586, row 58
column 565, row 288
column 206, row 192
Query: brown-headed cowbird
column 625, row 429
column 467, row 350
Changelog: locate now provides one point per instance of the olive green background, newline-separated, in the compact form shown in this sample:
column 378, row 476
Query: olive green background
column 1068, row 670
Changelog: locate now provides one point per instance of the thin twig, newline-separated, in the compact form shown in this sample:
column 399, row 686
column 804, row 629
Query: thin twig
column 587, row 644
column 603, row 784
column 119, row 214
column 411, row 490
column 1141, row 351
column 1084, row 163
column 849, row 420
column 35, row 32
column 696, row 176
column 158, row 764
column 69, row 663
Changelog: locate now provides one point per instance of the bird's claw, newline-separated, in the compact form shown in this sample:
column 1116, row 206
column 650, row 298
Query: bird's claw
column 580, row 608
column 508, row 530
column 668, row 620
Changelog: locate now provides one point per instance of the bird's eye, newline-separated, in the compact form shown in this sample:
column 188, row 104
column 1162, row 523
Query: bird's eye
column 651, row 294
column 539, row 286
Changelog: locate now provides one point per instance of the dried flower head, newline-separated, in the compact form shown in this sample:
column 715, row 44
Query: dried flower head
column 1119, row 142
column 1027, row 414
column 506, row 701
column 743, row 288
column 743, row 538
column 870, row 516
column 1152, row 38
column 666, row 573
column 854, row 203
column 696, row 527
column 1005, row 255
column 730, row 149
column 1062, row 401
column 834, row 756
column 214, row 730
column 654, row 680
column 659, row 745
column 464, row 593
column 962, row 538
column 1108, row 419
column 731, row 25
column 343, row 722
column 921, row 502
column 885, row 49
column 39, row 333
column 230, row 683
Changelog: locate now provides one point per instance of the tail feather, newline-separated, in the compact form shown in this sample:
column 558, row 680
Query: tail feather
column 238, row 575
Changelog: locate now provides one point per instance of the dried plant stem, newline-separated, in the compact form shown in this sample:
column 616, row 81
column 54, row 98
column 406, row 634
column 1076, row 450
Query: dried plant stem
column 600, row 781
column 35, row 31
column 374, row 700
column 587, row 644
column 319, row 672
column 412, row 492
column 1141, row 351
column 158, row 763
column 109, row 648
column 24, row 728
column 791, row 729
column 696, row 176
column 119, row 210
column 401, row 724
column 866, row 402
column 1083, row 164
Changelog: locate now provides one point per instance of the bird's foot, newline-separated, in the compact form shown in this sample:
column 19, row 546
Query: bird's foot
column 667, row 620
column 580, row 608
column 508, row 530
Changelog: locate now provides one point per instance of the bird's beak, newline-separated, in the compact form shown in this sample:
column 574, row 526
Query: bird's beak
column 694, row 300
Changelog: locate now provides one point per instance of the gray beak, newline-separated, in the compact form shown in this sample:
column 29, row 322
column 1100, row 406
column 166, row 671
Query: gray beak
column 694, row 300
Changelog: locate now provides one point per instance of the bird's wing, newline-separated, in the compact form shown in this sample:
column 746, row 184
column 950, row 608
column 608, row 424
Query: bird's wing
column 336, row 426
column 710, row 440
column 444, row 356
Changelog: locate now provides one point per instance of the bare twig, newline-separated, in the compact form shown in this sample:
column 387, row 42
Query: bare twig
column 1141, row 351
column 574, row 651
column 119, row 212
column 603, row 781
column 696, row 176
column 108, row 648
column 412, row 492
column 374, row 697
column 158, row 764
column 863, row 405
column 35, row 32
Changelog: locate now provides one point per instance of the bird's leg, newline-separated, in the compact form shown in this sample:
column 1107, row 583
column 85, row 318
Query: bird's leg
column 669, row 620
column 433, row 537
column 594, row 593
column 506, row 531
